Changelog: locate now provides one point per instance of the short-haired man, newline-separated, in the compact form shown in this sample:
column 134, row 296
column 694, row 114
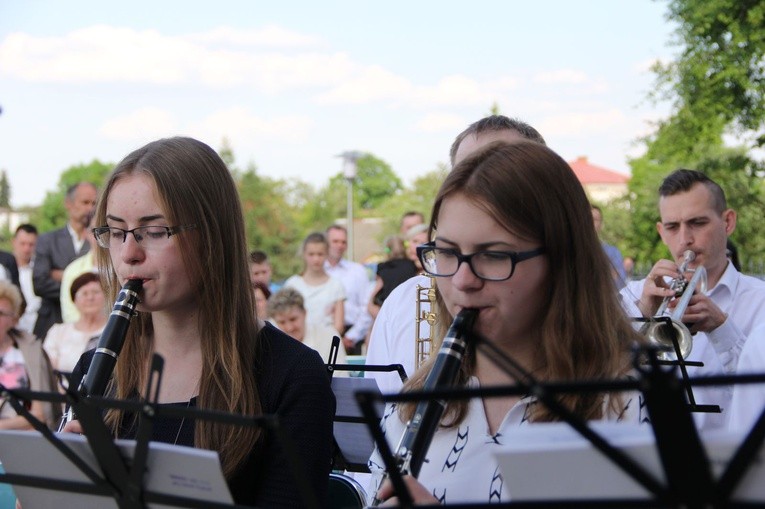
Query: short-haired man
column 695, row 216
column 357, row 287
column 408, row 220
column 57, row 249
column 23, row 243
column 392, row 340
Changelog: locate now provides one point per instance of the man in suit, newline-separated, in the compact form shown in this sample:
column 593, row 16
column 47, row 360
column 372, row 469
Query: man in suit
column 8, row 268
column 56, row 249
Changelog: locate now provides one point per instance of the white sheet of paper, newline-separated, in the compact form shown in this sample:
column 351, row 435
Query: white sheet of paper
column 171, row 469
column 551, row 461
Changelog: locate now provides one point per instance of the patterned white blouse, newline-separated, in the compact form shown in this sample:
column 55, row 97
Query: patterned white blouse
column 460, row 466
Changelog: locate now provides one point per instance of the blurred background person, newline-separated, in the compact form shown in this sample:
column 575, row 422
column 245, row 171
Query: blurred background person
column 23, row 364
column 56, row 249
column 408, row 220
column 287, row 311
column 23, row 245
column 66, row 342
column 260, row 270
column 415, row 236
column 356, row 283
column 613, row 253
column 78, row 266
column 262, row 293
column 391, row 273
column 322, row 294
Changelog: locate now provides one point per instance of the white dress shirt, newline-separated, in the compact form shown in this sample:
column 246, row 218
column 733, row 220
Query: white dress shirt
column 356, row 283
column 742, row 299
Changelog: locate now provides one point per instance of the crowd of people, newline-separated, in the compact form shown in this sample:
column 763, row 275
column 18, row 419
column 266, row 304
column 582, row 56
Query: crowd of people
column 511, row 238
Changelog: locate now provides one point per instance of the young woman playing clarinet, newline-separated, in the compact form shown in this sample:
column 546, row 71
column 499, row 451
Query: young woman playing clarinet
column 513, row 240
column 170, row 217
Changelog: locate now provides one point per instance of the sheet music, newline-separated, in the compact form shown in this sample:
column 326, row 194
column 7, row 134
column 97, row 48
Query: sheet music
column 171, row 469
column 551, row 461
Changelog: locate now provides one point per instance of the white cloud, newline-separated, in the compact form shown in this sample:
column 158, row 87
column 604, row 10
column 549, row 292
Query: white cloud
column 582, row 124
column 561, row 77
column 238, row 123
column 440, row 122
column 369, row 84
column 104, row 53
column 141, row 124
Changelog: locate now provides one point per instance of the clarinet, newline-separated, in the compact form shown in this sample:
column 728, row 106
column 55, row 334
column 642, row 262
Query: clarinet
column 109, row 345
column 420, row 429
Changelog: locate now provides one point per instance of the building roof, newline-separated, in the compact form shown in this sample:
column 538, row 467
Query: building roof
column 590, row 174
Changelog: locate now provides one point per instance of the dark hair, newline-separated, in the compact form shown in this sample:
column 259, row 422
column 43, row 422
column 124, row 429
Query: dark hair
column 315, row 238
column 682, row 180
column 82, row 280
column 337, row 227
column 260, row 285
column 494, row 123
column 583, row 331
column 71, row 190
column 26, row 227
column 258, row 257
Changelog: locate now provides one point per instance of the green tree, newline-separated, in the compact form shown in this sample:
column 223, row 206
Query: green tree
column 375, row 181
column 419, row 197
column 5, row 190
column 269, row 221
column 720, row 71
column 52, row 214
column 715, row 87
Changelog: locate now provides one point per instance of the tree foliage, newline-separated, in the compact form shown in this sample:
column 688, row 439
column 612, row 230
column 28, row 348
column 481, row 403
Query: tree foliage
column 715, row 87
column 5, row 190
column 52, row 214
column 720, row 72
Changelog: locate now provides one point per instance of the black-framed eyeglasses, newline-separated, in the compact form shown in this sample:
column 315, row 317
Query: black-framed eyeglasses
column 149, row 237
column 487, row 265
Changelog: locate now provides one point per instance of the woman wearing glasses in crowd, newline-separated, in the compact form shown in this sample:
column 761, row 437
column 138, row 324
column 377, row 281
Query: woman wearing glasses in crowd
column 514, row 240
column 171, row 217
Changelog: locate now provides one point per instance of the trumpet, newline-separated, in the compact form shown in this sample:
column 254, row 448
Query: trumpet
column 661, row 333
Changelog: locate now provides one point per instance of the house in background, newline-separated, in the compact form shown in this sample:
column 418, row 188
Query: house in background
column 601, row 184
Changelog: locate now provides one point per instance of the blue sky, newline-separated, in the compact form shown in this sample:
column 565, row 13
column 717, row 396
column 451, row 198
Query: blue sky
column 293, row 84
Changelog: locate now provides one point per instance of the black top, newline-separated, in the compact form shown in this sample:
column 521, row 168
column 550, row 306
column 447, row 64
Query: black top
column 293, row 383
column 393, row 273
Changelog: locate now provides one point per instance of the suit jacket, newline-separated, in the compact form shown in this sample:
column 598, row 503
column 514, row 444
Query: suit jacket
column 8, row 261
column 54, row 251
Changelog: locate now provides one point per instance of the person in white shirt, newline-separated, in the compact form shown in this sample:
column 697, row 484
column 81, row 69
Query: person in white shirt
column 323, row 294
column 356, row 283
column 695, row 216
column 23, row 244
column 392, row 340
column 513, row 241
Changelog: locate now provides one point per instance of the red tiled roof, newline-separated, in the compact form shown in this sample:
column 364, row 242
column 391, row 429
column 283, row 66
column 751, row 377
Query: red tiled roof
column 590, row 174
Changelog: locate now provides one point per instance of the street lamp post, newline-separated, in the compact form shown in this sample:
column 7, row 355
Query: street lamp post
column 349, row 173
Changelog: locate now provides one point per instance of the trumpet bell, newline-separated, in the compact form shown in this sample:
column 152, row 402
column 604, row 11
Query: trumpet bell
column 661, row 333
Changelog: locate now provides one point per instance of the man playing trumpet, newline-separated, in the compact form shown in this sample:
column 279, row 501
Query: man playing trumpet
column 695, row 216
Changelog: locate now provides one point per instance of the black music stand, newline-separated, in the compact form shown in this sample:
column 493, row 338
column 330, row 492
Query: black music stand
column 123, row 479
column 353, row 442
column 687, row 470
column 682, row 365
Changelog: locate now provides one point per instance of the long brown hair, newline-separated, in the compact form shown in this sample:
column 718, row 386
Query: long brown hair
column 195, row 187
column 584, row 334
